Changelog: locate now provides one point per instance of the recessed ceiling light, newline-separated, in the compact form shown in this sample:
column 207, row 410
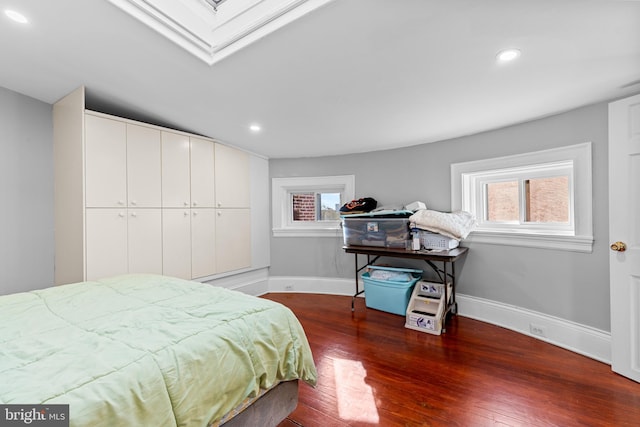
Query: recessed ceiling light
column 16, row 16
column 507, row 55
column 255, row 128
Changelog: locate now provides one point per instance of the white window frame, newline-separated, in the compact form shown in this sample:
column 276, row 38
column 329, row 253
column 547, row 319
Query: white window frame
column 282, row 207
column 478, row 204
column 468, row 181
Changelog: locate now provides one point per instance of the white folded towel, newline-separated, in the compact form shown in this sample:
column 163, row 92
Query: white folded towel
column 456, row 225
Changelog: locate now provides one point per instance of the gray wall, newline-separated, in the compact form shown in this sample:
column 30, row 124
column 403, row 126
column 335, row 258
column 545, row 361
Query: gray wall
column 26, row 193
column 569, row 285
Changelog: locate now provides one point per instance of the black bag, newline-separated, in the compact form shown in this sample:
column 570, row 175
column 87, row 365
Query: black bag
column 363, row 205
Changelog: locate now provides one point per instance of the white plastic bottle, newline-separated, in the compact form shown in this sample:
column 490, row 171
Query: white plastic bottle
column 415, row 244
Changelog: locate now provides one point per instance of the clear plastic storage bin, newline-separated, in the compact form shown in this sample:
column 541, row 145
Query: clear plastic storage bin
column 372, row 231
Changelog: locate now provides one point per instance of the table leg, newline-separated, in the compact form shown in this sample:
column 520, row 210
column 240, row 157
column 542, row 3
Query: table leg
column 454, row 304
column 353, row 298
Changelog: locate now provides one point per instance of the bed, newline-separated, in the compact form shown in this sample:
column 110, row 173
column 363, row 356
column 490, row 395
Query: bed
column 151, row 350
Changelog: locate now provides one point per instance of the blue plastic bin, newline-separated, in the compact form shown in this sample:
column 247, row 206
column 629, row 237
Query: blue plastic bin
column 388, row 295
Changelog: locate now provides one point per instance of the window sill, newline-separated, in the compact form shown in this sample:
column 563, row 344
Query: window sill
column 307, row 232
column 563, row 243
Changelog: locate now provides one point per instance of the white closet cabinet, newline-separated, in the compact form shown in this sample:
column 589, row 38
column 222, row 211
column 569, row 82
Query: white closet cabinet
column 143, row 167
column 176, row 171
column 176, row 243
column 138, row 198
column 188, row 182
column 144, row 240
column 122, row 164
column 231, row 177
column 233, row 217
column 233, row 239
column 106, row 246
column 187, row 171
column 121, row 241
column 106, row 162
column 203, row 242
column 202, row 173
column 189, row 242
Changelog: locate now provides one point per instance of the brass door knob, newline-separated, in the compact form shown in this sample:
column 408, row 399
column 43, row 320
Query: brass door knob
column 619, row 247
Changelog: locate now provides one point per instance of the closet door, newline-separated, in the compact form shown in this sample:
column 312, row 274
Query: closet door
column 176, row 178
column 106, row 243
column 233, row 239
column 232, row 177
column 145, row 241
column 176, row 243
column 203, row 242
column 143, row 167
column 202, row 173
column 105, row 162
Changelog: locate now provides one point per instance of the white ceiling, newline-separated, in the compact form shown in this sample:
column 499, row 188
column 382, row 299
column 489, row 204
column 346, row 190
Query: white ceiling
column 351, row 76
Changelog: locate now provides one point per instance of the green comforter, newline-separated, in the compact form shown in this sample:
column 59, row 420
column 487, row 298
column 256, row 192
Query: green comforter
column 145, row 350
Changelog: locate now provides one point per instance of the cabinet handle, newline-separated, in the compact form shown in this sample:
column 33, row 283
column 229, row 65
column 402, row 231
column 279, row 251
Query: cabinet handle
column 121, row 202
column 121, row 214
column 195, row 213
column 133, row 203
column 186, row 203
column 219, row 204
column 219, row 213
column 195, row 203
column 133, row 214
column 185, row 213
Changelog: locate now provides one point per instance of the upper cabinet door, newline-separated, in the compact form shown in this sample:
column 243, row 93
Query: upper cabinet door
column 202, row 175
column 143, row 167
column 175, row 171
column 232, row 180
column 105, row 162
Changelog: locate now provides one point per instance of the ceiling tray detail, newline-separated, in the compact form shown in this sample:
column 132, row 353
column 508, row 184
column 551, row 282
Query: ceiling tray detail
column 212, row 30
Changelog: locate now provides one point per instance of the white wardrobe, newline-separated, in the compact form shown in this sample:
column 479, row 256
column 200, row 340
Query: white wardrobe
column 137, row 198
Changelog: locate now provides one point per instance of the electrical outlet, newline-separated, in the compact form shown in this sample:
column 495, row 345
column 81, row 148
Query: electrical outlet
column 538, row 330
column 288, row 287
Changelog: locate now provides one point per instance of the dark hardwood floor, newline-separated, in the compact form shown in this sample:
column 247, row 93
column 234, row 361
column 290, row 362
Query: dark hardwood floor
column 374, row 371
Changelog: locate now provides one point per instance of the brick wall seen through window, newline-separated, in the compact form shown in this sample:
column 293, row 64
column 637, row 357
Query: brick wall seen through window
column 545, row 200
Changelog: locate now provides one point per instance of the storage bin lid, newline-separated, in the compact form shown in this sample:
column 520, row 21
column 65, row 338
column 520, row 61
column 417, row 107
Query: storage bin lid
column 402, row 270
column 412, row 273
column 381, row 214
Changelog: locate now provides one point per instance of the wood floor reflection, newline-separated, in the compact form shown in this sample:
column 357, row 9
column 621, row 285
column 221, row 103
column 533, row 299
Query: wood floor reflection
column 373, row 371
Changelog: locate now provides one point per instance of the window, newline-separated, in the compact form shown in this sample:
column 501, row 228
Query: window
column 315, row 206
column 309, row 206
column 533, row 200
column 540, row 199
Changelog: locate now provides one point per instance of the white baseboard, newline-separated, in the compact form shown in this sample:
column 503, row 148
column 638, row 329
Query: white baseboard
column 572, row 336
column 254, row 282
column 313, row 285
column 581, row 339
